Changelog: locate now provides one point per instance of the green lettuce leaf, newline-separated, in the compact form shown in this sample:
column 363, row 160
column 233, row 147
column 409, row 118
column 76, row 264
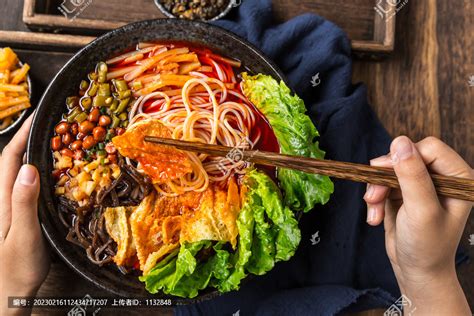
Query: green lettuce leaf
column 215, row 268
column 180, row 274
column 296, row 135
column 268, row 231
column 245, row 225
column 278, row 225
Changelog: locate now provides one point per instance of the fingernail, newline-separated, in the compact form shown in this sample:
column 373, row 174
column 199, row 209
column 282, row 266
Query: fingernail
column 380, row 159
column 403, row 149
column 369, row 192
column 371, row 214
column 27, row 175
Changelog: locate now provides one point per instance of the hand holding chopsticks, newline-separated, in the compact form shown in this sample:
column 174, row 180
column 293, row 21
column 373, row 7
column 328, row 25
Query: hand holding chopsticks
column 459, row 188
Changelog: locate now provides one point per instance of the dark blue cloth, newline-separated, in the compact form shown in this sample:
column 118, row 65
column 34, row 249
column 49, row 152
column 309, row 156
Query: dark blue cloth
column 348, row 270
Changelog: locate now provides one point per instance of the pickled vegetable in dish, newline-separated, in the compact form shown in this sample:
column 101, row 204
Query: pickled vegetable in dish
column 196, row 9
column 182, row 221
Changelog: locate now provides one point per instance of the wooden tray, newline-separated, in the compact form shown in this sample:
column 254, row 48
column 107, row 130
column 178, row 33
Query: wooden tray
column 372, row 35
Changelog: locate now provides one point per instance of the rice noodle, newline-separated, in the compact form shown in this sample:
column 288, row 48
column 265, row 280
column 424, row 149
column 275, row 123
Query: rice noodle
column 209, row 117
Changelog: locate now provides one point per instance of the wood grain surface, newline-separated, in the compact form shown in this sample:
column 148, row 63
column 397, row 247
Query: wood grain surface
column 421, row 90
column 360, row 26
column 371, row 35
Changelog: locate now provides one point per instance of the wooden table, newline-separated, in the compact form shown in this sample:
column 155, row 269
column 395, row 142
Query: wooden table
column 421, row 90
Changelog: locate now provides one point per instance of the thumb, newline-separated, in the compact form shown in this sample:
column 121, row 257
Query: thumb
column 417, row 188
column 25, row 200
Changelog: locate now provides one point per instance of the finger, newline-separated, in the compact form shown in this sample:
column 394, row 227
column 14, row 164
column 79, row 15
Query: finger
column 419, row 195
column 391, row 209
column 377, row 193
column 442, row 159
column 390, row 198
column 10, row 164
column 25, row 202
column 386, row 162
column 375, row 213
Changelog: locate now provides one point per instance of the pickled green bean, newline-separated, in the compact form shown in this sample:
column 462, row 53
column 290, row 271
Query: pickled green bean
column 102, row 70
column 120, row 85
column 71, row 102
column 122, row 106
column 93, row 76
column 124, row 94
column 72, row 115
column 93, row 89
column 99, row 101
column 114, row 105
column 84, row 85
column 115, row 121
column 104, row 89
column 86, row 103
column 123, row 116
column 81, row 117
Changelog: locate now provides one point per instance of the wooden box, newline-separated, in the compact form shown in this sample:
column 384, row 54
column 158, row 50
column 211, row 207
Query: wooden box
column 372, row 33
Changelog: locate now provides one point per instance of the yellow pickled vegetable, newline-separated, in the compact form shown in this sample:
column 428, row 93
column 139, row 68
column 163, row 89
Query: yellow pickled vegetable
column 14, row 97
column 8, row 59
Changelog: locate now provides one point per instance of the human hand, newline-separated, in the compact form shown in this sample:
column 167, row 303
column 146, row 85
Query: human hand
column 24, row 260
column 422, row 231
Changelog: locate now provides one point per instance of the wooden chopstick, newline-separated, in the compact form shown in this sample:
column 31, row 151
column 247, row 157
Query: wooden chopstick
column 454, row 187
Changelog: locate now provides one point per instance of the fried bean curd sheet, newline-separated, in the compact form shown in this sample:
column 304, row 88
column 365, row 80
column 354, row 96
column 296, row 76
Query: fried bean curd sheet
column 156, row 224
column 215, row 218
column 160, row 163
column 118, row 226
column 160, row 223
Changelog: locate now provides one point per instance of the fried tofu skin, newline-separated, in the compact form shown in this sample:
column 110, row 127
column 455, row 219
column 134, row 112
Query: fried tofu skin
column 160, row 163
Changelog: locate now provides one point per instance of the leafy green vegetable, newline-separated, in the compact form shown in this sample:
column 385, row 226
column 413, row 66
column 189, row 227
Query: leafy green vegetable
column 245, row 225
column 280, row 225
column 161, row 274
column 296, row 135
column 182, row 275
column 268, row 233
column 263, row 245
column 216, row 266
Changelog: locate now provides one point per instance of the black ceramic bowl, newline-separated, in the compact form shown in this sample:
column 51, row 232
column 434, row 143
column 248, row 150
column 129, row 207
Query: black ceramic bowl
column 52, row 106
column 15, row 124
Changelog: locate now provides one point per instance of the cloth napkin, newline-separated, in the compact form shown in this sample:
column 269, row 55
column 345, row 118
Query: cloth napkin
column 341, row 264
